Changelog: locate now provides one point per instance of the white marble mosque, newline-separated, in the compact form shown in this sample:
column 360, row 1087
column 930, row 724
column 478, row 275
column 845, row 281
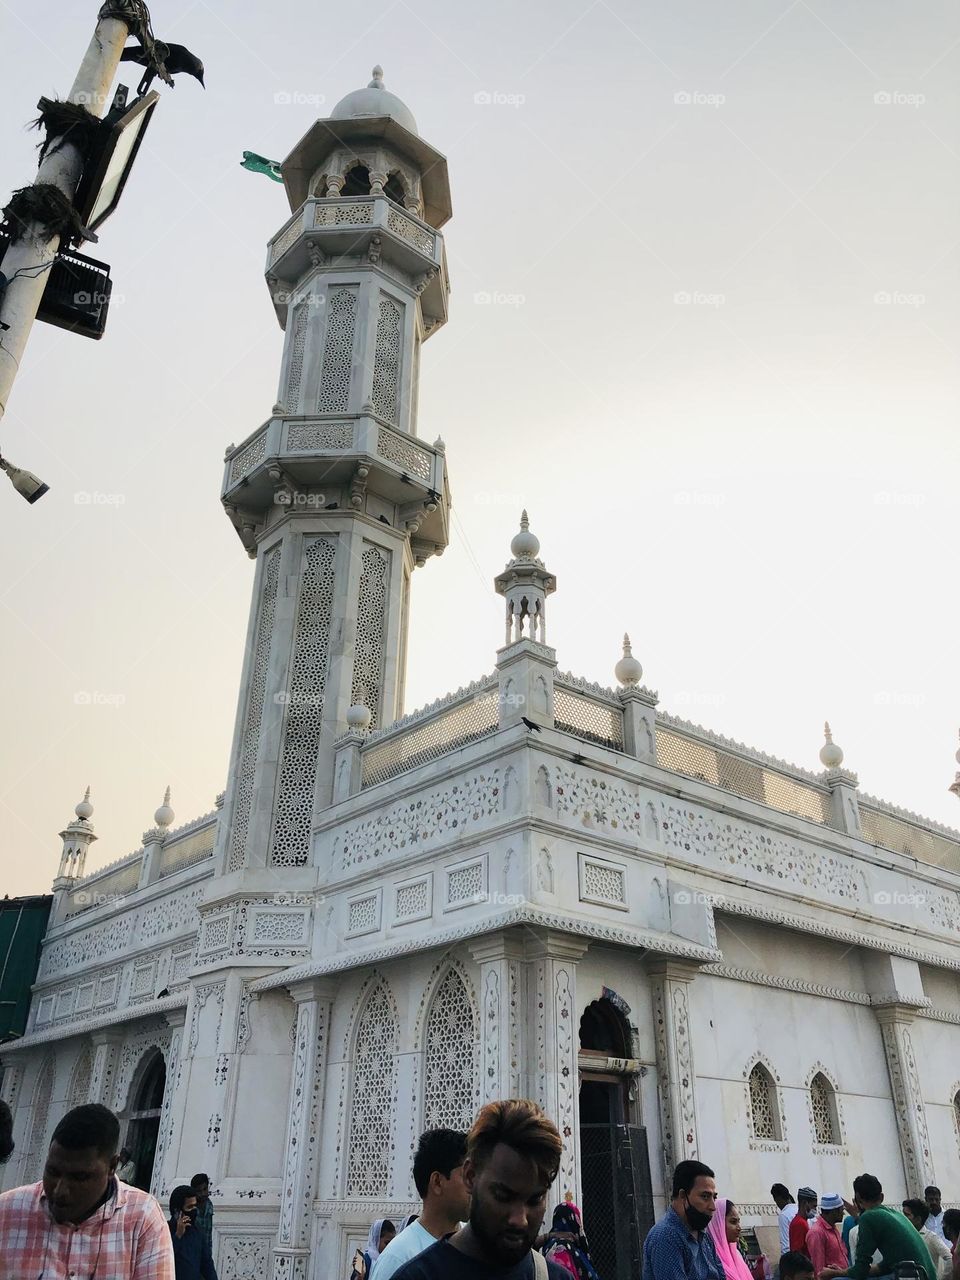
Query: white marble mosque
column 535, row 885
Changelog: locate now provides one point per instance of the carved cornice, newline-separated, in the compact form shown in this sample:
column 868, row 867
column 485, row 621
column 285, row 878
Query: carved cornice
column 591, row 687
column 365, row 1210
column 730, row 744
column 805, row 924
column 525, row 914
column 760, row 979
column 83, row 1027
column 941, row 1015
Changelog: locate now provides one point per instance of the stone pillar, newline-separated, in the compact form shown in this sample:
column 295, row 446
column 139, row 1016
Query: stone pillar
column 843, row 793
column 152, row 853
column 639, row 723
column 291, row 1253
column 670, row 982
column 346, row 766
column 176, row 1020
column 106, row 1056
column 895, row 1020
column 500, row 957
column 554, row 1042
column 526, row 671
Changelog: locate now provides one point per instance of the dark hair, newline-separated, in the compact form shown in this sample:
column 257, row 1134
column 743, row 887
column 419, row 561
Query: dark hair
column 179, row 1196
column 927, row 1190
column 867, row 1187
column 951, row 1219
column 438, row 1151
column 522, row 1126
column 795, row 1262
column 91, row 1125
column 6, row 1132
column 918, row 1208
column 730, row 1205
column 199, row 1179
column 686, row 1173
column 778, row 1189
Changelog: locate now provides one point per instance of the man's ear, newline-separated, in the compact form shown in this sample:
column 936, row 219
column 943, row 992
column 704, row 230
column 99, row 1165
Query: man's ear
column 469, row 1174
column 114, row 1162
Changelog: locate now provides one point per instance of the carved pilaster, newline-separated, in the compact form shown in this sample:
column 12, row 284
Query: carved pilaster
column 500, row 957
column 106, row 1057
column 670, row 984
column 844, row 800
column 895, row 1020
column 552, row 1064
column 176, row 1019
column 314, row 1000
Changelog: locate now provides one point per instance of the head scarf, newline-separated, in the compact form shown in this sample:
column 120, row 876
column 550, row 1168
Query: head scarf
column 408, row 1221
column 731, row 1259
column 372, row 1249
column 572, row 1254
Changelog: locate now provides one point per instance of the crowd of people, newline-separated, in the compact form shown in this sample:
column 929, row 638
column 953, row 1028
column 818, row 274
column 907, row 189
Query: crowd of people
column 484, row 1197
column 821, row 1237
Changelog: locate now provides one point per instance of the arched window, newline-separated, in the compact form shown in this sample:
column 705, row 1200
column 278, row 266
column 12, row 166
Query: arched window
column 764, row 1108
column 372, row 1103
column 82, row 1076
column 394, row 189
column 357, row 181
column 36, row 1154
column 604, row 1030
column 823, row 1105
column 450, row 1089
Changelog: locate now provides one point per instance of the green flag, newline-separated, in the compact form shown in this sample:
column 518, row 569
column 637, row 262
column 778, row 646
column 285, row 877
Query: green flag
column 260, row 164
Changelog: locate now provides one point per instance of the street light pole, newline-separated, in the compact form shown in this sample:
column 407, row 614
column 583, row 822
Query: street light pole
column 34, row 248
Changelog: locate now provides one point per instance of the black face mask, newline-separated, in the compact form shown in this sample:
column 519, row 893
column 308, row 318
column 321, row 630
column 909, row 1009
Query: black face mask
column 697, row 1220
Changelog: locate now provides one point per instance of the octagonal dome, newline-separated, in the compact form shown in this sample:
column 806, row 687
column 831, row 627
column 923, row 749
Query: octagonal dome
column 374, row 100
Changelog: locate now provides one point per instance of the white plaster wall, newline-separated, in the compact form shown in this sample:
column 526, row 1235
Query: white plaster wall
column 937, row 1051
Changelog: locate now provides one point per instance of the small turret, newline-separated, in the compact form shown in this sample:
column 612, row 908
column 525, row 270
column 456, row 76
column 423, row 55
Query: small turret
column 525, row 585
column 77, row 838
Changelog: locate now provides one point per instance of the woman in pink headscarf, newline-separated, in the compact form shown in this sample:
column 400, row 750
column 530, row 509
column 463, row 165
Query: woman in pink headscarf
column 724, row 1231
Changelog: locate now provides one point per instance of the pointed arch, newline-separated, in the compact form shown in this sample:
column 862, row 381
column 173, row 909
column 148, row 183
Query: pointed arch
column 823, row 1108
column 451, row 1044
column 82, row 1078
column 764, row 1108
column 34, row 1158
column 373, row 1070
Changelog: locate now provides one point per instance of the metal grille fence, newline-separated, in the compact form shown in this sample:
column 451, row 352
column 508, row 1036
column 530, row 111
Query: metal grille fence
column 95, row 891
column 453, row 727
column 588, row 718
column 184, row 853
column 696, row 759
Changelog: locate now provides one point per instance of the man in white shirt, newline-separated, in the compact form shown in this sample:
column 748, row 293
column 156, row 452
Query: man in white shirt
column 935, row 1220
column 788, row 1211
column 438, row 1175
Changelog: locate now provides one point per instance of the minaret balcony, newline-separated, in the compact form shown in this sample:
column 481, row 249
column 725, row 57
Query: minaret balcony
column 370, row 228
column 325, row 452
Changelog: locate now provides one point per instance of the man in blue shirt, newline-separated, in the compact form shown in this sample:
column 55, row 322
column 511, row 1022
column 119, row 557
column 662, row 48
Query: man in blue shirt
column 679, row 1246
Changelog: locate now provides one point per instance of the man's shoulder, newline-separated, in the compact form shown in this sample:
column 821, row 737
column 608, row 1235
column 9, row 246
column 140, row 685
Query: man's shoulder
column 409, row 1244
column 20, row 1199
column 140, row 1204
column 426, row 1265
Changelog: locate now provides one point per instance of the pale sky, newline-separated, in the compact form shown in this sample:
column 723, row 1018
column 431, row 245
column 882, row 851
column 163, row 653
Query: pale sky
column 758, row 483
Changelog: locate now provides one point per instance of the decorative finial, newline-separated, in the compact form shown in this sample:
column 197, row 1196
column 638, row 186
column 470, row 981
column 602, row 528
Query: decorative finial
column 955, row 785
column 358, row 718
column 164, row 815
column 831, row 756
column 377, row 81
column 628, row 670
column 525, row 545
column 84, row 809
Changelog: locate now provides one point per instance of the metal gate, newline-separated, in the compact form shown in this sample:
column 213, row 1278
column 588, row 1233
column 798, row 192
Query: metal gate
column 617, row 1197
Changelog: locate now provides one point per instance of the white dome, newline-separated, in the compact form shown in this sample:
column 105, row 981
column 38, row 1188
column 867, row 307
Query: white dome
column 628, row 670
column 831, row 756
column 374, row 100
column 84, row 809
column 358, row 717
column 164, row 815
column 525, row 544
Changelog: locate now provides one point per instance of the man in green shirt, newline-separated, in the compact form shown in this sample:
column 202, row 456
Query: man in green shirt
column 881, row 1229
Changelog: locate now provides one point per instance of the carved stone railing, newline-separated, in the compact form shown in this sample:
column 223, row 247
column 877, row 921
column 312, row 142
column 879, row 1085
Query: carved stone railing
column 588, row 711
column 190, row 845
column 905, row 832
column 695, row 752
column 358, row 213
column 108, row 885
column 466, row 716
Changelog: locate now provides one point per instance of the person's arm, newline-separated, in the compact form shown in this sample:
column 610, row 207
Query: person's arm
column 154, row 1249
column 660, row 1260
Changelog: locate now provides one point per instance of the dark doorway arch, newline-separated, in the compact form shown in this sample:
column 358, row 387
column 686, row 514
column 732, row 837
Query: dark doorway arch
column 143, row 1116
column 614, row 1159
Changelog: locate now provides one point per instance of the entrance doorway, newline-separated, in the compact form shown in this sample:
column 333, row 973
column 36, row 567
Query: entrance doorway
column 143, row 1127
column 614, row 1159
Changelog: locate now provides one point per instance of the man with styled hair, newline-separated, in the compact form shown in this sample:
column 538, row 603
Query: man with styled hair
column 512, row 1160
column 884, row 1230
column 679, row 1246
column 438, row 1176
column 786, row 1212
column 80, row 1220
column 934, row 1205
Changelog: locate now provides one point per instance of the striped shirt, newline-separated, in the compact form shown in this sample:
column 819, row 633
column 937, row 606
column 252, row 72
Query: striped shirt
column 126, row 1239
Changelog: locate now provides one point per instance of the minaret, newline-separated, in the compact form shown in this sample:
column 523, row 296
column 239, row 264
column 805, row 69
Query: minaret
column 335, row 496
column 77, row 838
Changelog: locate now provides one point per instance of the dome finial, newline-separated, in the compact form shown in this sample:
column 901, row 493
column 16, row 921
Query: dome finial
column 84, row 809
column 831, row 756
column 955, row 785
column 358, row 718
column 525, row 545
column 164, row 815
column 628, row 670
column 377, row 81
